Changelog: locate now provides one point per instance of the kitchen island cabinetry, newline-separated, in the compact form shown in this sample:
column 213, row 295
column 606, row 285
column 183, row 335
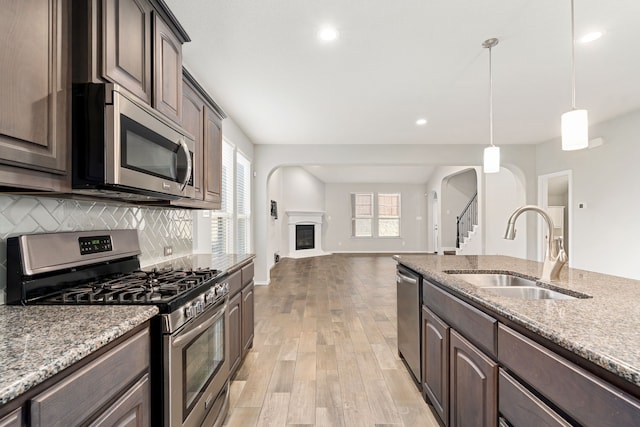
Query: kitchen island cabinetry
column 459, row 379
column 525, row 362
column 35, row 100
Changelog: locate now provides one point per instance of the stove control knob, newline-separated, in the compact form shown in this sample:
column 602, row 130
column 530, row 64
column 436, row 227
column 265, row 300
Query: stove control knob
column 226, row 287
column 219, row 290
column 189, row 311
column 210, row 296
column 199, row 307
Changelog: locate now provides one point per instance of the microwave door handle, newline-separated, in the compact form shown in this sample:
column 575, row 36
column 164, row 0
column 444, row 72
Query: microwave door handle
column 189, row 165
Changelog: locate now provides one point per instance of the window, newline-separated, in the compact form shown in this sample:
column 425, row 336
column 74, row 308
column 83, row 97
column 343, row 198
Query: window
column 379, row 220
column 362, row 214
column 222, row 220
column 243, row 204
column 389, row 214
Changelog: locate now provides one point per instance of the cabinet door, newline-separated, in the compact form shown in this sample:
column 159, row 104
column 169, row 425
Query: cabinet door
column 126, row 46
column 131, row 410
column 193, row 122
column 34, row 88
column 473, row 381
column 435, row 362
column 14, row 419
column 213, row 156
column 235, row 333
column 247, row 318
column 168, row 71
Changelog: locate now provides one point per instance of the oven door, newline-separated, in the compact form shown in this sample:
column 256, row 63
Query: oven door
column 196, row 367
column 147, row 151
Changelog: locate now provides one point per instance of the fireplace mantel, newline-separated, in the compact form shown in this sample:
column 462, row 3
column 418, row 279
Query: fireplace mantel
column 302, row 218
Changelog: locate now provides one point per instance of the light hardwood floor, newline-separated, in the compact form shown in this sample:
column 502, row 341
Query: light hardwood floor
column 325, row 350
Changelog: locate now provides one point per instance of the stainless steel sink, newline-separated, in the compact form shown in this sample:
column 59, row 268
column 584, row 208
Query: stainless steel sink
column 483, row 280
column 527, row 292
column 510, row 286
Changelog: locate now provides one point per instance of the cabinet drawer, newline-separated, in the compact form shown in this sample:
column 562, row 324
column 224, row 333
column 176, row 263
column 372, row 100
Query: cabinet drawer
column 235, row 283
column 14, row 419
column 132, row 409
column 81, row 394
column 583, row 396
column 473, row 324
column 247, row 274
column 522, row 408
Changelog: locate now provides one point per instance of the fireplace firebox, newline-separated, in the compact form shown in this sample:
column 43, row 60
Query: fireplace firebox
column 305, row 236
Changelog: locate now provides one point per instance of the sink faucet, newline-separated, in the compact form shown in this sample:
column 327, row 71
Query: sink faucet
column 555, row 257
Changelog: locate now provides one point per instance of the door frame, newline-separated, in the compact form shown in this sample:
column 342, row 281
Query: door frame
column 543, row 197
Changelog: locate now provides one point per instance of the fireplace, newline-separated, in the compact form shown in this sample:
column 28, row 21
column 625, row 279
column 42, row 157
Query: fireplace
column 305, row 233
column 305, row 236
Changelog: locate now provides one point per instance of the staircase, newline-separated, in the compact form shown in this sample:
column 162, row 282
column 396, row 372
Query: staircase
column 467, row 225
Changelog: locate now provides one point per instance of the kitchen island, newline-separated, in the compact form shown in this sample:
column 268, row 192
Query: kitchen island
column 591, row 338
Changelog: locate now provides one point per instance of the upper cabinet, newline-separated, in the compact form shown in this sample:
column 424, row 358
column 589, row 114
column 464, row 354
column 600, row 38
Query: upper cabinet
column 202, row 117
column 134, row 43
column 35, row 94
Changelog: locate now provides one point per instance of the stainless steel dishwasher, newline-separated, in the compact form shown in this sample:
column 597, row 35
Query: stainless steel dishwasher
column 409, row 287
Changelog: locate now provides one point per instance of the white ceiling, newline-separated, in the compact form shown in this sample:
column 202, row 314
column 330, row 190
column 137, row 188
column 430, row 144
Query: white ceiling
column 397, row 61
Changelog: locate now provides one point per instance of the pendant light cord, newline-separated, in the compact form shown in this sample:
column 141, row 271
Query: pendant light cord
column 573, row 61
column 491, row 100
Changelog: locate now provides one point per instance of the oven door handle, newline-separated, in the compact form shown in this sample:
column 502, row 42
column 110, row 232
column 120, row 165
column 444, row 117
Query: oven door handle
column 188, row 336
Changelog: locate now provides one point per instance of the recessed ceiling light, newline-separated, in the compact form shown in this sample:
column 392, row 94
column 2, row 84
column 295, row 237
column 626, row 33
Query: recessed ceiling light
column 421, row 122
column 587, row 38
column 328, row 34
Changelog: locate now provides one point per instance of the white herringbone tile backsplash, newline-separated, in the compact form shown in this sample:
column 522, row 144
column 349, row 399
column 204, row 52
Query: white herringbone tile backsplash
column 157, row 227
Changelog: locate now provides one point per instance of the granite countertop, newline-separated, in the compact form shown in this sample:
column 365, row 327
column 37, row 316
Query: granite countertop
column 37, row 342
column 228, row 263
column 604, row 329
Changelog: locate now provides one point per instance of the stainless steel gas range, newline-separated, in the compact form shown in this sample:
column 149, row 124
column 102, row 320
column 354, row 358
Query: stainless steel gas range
column 190, row 342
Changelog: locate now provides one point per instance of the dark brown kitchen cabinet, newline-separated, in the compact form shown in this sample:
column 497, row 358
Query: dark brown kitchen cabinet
column 168, row 70
column 248, row 308
column 35, row 94
column 435, row 362
column 213, row 157
column 247, row 318
column 14, row 419
column 136, row 44
column 581, row 395
column 235, row 334
column 193, row 122
column 111, row 390
column 473, row 383
column 126, row 38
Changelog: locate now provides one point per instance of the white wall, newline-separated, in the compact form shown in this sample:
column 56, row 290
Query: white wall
column 294, row 189
column 605, row 233
column 519, row 158
column 413, row 220
column 503, row 194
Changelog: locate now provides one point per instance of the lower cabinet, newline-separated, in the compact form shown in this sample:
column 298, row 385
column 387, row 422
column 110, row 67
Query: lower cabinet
column 235, row 334
column 473, row 384
column 14, row 419
column 247, row 318
column 111, row 390
column 435, row 362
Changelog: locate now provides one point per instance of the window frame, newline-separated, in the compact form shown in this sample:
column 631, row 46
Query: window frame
column 375, row 216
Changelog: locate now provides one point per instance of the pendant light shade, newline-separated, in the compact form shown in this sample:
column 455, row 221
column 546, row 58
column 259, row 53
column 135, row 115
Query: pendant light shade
column 491, row 153
column 575, row 130
column 491, row 159
column 575, row 123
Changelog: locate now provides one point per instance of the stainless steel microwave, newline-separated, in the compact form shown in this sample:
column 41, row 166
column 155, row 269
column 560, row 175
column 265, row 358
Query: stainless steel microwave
column 124, row 149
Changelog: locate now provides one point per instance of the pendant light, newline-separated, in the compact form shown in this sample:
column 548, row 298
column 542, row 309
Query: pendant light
column 575, row 123
column 491, row 153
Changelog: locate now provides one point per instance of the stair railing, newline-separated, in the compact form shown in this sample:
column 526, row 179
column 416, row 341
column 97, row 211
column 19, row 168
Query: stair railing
column 467, row 219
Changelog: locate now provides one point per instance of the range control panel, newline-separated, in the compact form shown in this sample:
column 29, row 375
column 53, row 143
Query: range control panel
column 95, row 244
